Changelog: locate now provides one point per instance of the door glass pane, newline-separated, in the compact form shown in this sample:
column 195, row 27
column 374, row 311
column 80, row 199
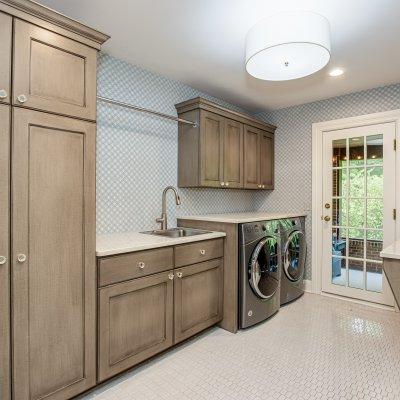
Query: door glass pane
column 357, row 182
column 356, row 243
column 356, row 274
column 374, row 277
column 356, row 151
column 374, row 149
column 375, row 235
column 375, row 182
column 374, row 247
column 339, row 242
column 375, row 213
column 339, row 156
column 356, row 213
column 339, row 182
column 339, row 212
column 339, row 271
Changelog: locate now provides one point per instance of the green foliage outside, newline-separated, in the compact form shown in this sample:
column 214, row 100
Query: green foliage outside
column 372, row 185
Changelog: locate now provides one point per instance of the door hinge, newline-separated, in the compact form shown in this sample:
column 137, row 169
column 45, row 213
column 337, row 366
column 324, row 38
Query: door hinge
column 394, row 213
column 394, row 144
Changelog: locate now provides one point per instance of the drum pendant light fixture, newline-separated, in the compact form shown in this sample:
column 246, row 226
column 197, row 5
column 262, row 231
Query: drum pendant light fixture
column 288, row 46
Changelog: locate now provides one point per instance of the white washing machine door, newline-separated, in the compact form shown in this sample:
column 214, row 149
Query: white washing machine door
column 295, row 256
column 264, row 268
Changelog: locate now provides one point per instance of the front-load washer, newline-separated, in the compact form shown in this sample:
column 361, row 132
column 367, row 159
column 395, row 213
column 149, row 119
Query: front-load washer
column 294, row 249
column 259, row 271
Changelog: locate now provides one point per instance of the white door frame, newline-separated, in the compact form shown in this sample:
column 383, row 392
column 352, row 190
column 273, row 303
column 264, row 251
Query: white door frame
column 318, row 129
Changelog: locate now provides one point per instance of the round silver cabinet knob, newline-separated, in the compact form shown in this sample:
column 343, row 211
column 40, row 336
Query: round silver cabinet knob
column 22, row 98
column 202, row 252
column 21, row 258
column 263, row 186
column 227, row 184
column 171, row 276
column 3, row 94
column 141, row 264
column 222, row 183
column 3, row 260
column 179, row 274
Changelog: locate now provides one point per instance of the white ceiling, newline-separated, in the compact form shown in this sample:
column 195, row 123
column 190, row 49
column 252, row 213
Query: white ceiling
column 202, row 43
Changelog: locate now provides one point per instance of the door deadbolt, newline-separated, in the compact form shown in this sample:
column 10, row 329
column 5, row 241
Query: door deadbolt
column 327, row 205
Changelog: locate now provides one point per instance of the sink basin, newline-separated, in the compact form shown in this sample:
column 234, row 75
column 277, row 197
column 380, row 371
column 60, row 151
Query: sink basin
column 177, row 232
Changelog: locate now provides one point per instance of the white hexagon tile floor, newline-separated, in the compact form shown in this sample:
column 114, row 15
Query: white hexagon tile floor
column 315, row 348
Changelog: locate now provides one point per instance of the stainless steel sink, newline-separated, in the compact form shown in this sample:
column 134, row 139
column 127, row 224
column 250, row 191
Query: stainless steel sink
column 177, row 232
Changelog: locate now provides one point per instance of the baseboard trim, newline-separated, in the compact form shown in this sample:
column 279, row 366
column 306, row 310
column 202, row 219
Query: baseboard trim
column 308, row 285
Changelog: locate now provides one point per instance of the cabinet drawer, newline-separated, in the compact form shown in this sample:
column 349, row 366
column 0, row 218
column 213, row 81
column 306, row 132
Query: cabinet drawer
column 134, row 265
column 135, row 322
column 53, row 73
column 197, row 252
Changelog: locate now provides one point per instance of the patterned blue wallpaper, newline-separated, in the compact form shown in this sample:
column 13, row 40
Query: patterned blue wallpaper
column 137, row 153
column 293, row 152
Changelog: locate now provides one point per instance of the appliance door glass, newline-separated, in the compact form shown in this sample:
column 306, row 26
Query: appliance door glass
column 264, row 268
column 295, row 256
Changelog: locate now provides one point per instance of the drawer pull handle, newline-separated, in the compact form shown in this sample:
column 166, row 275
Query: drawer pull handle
column 202, row 252
column 179, row 274
column 22, row 98
column 21, row 258
column 141, row 264
column 3, row 260
column 3, row 94
column 171, row 276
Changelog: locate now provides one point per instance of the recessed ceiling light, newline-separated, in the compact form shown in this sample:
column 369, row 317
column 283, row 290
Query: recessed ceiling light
column 336, row 72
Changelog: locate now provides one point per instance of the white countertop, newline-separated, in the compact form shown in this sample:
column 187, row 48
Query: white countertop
column 117, row 243
column 239, row 218
column 392, row 251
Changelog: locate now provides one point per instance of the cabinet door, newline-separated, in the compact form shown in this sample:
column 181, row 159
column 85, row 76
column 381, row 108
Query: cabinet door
column 211, row 149
column 198, row 291
column 4, row 252
column 135, row 322
column 233, row 154
column 5, row 57
column 267, row 160
column 251, row 157
column 54, row 73
column 53, row 251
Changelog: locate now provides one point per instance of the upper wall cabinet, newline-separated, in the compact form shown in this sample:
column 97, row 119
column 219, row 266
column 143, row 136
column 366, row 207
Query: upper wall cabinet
column 53, row 73
column 226, row 150
column 5, row 57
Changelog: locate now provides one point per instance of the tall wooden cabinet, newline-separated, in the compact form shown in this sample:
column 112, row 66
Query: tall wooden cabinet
column 4, row 252
column 225, row 150
column 47, row 233
column 53, row 248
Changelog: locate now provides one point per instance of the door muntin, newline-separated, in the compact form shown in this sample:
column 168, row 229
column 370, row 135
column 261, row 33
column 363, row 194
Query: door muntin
column 264, row 268
column 294, row 256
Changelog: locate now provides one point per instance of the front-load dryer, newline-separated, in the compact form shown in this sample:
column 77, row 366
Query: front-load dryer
column 294, row 249
column 259, row 271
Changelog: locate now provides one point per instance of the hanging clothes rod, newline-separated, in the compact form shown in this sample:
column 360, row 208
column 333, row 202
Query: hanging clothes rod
column 146, row 110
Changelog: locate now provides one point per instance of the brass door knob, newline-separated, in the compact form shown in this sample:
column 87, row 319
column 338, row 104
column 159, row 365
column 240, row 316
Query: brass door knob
column 327, row 205
column 327, row 218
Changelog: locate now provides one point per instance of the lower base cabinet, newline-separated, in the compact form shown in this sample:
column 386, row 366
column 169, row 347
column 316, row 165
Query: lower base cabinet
column 135, row 322
column 142, row 317
column 198, row 294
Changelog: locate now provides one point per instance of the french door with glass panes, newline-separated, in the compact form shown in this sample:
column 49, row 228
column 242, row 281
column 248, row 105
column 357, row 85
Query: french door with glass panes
column 359, row 216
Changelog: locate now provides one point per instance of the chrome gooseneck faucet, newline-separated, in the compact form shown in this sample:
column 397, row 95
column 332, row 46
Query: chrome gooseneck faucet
column 163, row 219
